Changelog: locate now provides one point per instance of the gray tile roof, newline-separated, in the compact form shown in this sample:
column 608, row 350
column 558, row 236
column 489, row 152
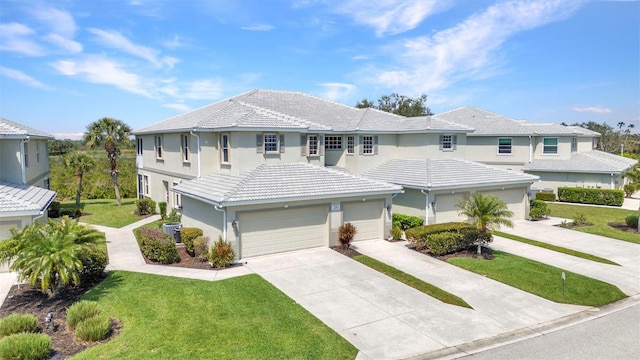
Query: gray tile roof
column 10, row 129
column 583, row 162
column 20, row 199
column 443, row 174
column 281, row 182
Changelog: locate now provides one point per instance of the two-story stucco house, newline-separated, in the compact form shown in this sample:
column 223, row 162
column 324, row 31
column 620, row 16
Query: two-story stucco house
column 24, row 176
column 272, row 171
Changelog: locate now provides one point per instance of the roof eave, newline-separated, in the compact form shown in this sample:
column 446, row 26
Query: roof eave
column 471, row 185
column 307, row 198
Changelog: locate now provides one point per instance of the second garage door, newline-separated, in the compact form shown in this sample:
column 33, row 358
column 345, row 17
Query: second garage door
column 447, row 209
column 273, row 231
column 366, row 217
column 514, row 198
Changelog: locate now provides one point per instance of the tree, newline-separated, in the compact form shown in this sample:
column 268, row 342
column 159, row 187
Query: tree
column 112, row 134
column 399, row 105
column 60, row 147
column 486, row 213
column 80, row 163
column 611, row 139
column 49, row 253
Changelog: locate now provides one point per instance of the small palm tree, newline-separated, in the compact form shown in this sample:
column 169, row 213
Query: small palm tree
column 111, row 134
column 81, row 163
column 486, row 213
column 49, row 253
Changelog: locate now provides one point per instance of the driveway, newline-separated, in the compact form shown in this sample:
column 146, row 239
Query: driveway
column 386, row 319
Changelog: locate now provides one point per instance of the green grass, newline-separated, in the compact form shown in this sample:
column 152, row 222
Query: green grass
column 106, row 212
column 240, row 318
column 559, row 249
column 412, row 281
column 599, row 217
column 542, row 280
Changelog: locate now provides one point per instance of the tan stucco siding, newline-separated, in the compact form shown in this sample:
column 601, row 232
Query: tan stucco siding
column 203, row 216
column 554, row 180
column 564, row 148
column 484, row 149
column 10, row 160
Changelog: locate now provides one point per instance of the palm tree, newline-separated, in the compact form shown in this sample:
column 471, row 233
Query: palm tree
column 81, row 163
column 49, row 253
column 486, row 213
column 110, row 133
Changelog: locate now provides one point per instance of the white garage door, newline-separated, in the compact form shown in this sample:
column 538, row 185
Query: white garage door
column 366, row 217
column 446, row 209
column 273, row 231
column 515, row 199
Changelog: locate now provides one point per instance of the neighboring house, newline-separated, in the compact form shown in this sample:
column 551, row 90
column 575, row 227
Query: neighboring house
column 271, row 171
column 24, row 176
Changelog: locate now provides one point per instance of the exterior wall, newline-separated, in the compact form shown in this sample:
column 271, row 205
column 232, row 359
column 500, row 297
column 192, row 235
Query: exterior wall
column 585, row 144
column 387, row 149
column 38, row 168
column 12, row 157
column 564, row 147
column 204, row 216
column 484, row 149
column 411, row 202
column 554, row 180
column 160, row 186
column 10, row 160
column 427, row 146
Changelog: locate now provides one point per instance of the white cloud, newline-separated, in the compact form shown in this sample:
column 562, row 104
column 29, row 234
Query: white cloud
column 116, row 40
column 68, row 135
column 202, row 89
column 22, row 77
column 174, row 43
column 337, row 91
column 258, row 27
column 67, row 45
column 177, row 106
column 15, row 37
column 593, row 109
column 59, row 21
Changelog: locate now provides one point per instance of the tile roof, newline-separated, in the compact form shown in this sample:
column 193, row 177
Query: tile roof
column 583, row 162
column 23, row 199
column 12, row 129
column 443, row 174
column 281, row 182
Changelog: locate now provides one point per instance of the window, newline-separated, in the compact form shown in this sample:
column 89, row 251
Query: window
column 38, row 152
column 185, row 147
column 594, row 143
column 159, row 147
column 177, row 199
column 146, row 185
column 333, row 143
column 139, row 146
column 351, row 145
column 140, row 187
column 367, row 145
column 574, row 144
column 270, row 143
column 550, row 146
column 504, row 146
column 26, row 154
column 47, row 184
column 312, row 145
column 224, row 145
column 448, row 142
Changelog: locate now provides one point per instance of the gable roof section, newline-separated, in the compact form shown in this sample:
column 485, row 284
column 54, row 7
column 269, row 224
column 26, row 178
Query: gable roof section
column 23, row 200
column 279, row 182
column 10, row 129
column 445, row 174
column 594, row 161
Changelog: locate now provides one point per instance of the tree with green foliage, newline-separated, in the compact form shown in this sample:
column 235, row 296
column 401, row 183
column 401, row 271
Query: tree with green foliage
column 486, row 213
column 112, row 134
column 49, row 254
column 61, row 147
column 399, row 105
column 80, row 163
column 611, row 139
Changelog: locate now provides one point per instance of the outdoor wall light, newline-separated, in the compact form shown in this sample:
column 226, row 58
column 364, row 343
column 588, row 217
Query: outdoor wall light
column 389, row 207
column 286, row 206
column 234, row 223
column 363, row 199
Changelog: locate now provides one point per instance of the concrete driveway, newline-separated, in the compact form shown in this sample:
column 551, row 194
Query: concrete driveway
column 386, row 319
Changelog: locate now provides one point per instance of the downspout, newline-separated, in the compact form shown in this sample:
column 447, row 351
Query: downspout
column 22, row 162
column 224, row 221
column 530, row 149
column 426, row 207
column 198, row 145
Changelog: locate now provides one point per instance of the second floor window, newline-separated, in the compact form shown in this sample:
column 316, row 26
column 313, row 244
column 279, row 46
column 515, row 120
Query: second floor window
column 504, row 146
column 351, row 145
column 368, row 145
column 313, row 145
column 270, row 143
column 448, row 142
column 38, row 152
column 185, row 147
column 333, row 142
column 224, row 145
column 159, row 153
column 550, row 145
column 574, row 144
column 139, row 145
column 26, row 154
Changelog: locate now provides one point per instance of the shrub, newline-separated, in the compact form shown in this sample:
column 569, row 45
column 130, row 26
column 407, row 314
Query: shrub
column 579, row 219
column 54, row 209
column 396, row 233
column 163, row 209
column 27, row 346
column 94, row 261
column 446, row 242
column 418, row 236
column 346, row 233
column 591, row 196
column 405, row 222
column 94, row 328
column 221, row 254
column 632, row 221
column 174, row 216
column 546, row 196
column 201, row 248
column 629, row 189
column 81, row 311
column 188, row 234
column 18, row 323
column 145, row 206
column 156, row 245
column 538, row 209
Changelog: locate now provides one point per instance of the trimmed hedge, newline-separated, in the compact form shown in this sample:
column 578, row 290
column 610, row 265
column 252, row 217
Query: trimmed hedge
column 18, row 323
column 545, row 196
column 156, row 245
column 405, row 222
column 591, row 196
column 187, row 235
column 94, row 261
column 457, row 236
column 538, row 209
column 25, row 346
column 632, row 221
column 145, row 206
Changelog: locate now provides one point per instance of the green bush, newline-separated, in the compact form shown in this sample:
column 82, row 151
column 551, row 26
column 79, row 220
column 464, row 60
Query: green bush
column 94, row 261
column 346, row 233
column 579, row 219
column 632, row 221
column 25, row 346
column 405, row 222
column 545, row 196
column 174, row 216
column 396, row 233
column 54, row 210
column 145, row 206
column 163, row 209
column 188, row 234
column 446, row 242
column 221, row 254
column 201, row 248
column 418, row 236
column 538, row 209
column 156, row 245
column 629, row 189
column 81, row 311
column 94, row 328
column 591, row 196
column 18, row 323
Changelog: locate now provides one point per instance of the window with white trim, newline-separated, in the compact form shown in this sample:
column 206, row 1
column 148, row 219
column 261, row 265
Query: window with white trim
column 351, row 145
column 139, row 146
column 224, row 147
column 26, row 154
column 504, row 146
column 333, row 142
column 158, row 143
column 367, row 145
column 448, row 142
column 312, row 145
column 38, row 152
column 185, row 147
column 271, row 143
column 177, row 198
column 574, row 144
column 550, row 145
column 594, row 144
column 146, row 185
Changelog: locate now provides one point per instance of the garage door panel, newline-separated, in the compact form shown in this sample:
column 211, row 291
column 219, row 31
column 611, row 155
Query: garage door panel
column 447, row 209
column 366, row 217
column 513, row 198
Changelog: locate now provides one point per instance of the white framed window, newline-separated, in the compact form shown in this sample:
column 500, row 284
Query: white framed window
column 224, row 148
column 448, row 142
column 550, row 145
column 504, row 146
column 159, row 150
column 177, row 198
column 351, row 145
column 574, row 144
column 270, row 143
column 367, row 145
column 145, row 185
column 185, row 147
column 312, row 145
column 26, row 154
column 333, row 142
column 139, row 146
column 594, row 144
column 38, row 152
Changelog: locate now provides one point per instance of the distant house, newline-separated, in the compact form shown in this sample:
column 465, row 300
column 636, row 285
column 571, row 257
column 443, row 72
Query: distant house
column 24, row 176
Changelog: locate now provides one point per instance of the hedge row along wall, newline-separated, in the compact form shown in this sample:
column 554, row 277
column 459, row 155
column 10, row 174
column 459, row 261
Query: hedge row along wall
column 591, row 196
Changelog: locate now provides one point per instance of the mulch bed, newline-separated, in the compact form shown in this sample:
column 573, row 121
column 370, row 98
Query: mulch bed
column 623, row 227
column 487, row 253
column 188, row 261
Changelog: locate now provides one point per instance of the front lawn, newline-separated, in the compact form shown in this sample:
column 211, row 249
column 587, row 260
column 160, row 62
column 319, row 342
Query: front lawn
column 542, row 279
column 599, row 217
column 106, row 212
column 239, row 318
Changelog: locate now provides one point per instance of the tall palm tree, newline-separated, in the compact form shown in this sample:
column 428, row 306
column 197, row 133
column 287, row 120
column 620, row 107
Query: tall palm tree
column 49, row 254
column 81, row 163
column 111, row 134
column 486, row 213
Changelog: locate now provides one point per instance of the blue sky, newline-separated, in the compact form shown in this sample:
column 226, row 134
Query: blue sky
column 64, row 64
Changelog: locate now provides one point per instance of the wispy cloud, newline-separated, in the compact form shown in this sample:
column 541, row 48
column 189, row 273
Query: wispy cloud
column 175, row 43
column 22, row 77
column 337, row 91
column 593, row 109
column 59, row 21
column 16, row 38
column 258, row 27
column 68, row 45
column 118, row 41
